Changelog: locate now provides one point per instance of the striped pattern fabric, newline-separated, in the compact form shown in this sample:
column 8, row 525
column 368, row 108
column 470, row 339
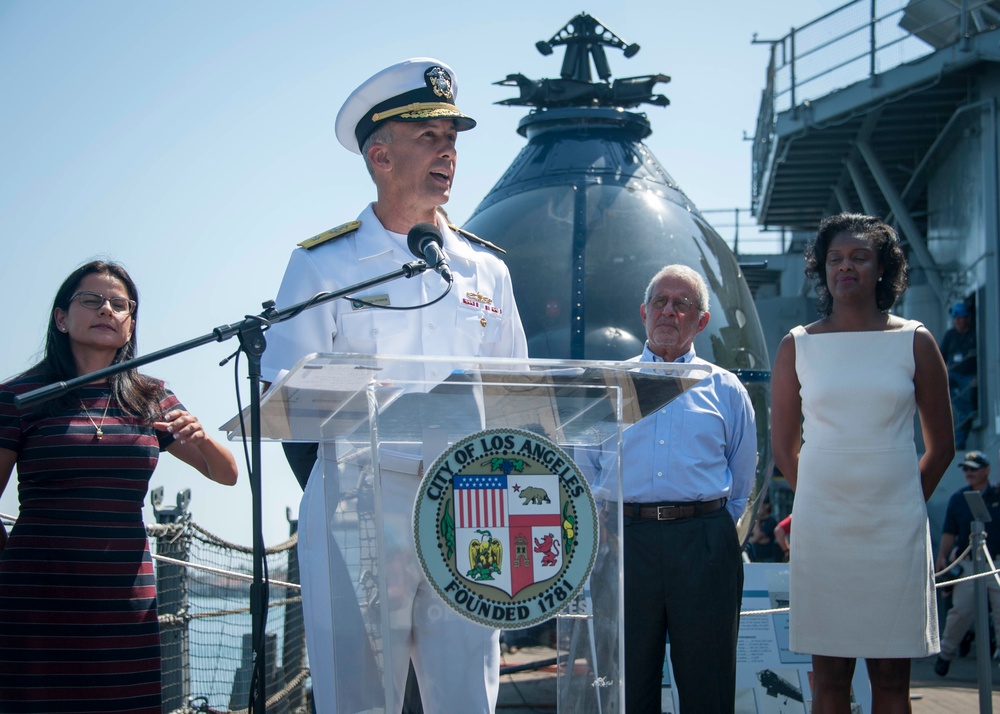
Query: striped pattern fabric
column 78, row 621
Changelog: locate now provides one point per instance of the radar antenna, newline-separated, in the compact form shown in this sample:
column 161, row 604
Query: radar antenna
column 585, row 38
column 582, row 35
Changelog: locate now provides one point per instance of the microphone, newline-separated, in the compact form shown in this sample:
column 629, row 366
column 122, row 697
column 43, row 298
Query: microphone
column 424, row 241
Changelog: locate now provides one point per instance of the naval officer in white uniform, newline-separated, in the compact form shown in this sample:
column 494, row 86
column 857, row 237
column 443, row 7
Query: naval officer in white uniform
column 404, row 123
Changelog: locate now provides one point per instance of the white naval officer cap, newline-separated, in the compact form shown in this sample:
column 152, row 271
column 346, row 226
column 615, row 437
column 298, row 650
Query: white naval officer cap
column 418, row 89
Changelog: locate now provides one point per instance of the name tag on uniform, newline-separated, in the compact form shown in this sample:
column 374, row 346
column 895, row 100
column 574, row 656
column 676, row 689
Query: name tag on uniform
column 369, row 301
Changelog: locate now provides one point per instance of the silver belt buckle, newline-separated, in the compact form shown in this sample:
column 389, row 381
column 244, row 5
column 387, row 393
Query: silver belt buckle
column 662, row 513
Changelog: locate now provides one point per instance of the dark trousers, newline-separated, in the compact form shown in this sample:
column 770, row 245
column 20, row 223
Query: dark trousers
column 686, row 577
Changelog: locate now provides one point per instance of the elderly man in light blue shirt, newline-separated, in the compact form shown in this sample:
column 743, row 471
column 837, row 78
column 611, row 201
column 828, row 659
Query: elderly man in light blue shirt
column 687, row 471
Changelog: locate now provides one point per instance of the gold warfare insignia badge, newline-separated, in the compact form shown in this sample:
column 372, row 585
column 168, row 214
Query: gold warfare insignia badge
column 439, row 81
column 506, row 528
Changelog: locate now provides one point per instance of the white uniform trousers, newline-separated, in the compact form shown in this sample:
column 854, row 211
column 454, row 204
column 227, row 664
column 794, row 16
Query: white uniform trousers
column 457, row 662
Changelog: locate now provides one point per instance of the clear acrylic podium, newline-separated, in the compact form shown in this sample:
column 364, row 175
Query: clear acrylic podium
column 380, row 421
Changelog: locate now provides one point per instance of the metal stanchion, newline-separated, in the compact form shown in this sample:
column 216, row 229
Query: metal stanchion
column 984, row 659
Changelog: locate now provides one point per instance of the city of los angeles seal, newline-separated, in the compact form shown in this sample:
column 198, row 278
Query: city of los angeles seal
column 505, row 527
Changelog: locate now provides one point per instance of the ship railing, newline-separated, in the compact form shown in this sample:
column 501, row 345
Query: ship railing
column 858, row 40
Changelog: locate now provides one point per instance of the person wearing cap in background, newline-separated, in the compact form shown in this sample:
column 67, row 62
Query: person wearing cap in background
column 958, row 347
column 954, row 540
column 404, row 123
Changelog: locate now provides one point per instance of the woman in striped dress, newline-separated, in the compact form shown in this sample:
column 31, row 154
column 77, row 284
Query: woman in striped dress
column 78, row 624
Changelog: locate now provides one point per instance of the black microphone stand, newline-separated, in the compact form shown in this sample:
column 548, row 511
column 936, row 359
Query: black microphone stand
column 250, row 332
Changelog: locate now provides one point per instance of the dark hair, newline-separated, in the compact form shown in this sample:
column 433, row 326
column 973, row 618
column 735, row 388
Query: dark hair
column 884, row 242
column 137, row 394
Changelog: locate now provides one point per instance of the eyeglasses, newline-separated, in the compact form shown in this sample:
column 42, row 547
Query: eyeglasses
column 95, row 301
column 967, row 469
column 681, row 305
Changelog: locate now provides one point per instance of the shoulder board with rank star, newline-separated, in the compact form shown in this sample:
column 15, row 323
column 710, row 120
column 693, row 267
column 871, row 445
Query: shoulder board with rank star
column 473, row 238
column 342, row 230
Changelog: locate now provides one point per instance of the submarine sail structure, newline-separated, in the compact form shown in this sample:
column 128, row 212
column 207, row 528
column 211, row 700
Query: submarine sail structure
column 587, row 215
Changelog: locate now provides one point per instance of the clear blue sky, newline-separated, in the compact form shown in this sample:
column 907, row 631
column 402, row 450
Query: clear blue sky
column 193, row 142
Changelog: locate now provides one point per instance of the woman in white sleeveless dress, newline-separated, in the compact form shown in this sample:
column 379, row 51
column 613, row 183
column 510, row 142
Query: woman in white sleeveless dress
column 844, row 391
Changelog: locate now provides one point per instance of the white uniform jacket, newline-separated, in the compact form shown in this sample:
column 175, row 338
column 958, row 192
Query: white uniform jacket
column 453, row 326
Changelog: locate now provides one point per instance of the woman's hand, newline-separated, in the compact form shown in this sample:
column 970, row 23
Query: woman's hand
column 183, row 425
column 196, row 448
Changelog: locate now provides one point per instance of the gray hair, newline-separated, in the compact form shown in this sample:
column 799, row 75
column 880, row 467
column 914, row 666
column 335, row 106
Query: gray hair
column 381, row 135
column 685, row 273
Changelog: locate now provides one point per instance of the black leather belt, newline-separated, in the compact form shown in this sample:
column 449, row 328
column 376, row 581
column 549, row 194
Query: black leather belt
column 671, row 511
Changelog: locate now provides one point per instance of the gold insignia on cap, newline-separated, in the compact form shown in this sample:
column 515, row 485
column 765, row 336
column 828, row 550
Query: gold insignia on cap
column 445, row 113
column 439, row 81
column 482, row 321
column 319, row 239
column 418, row 110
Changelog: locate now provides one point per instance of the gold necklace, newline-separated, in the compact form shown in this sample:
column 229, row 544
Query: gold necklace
column 99, row 427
